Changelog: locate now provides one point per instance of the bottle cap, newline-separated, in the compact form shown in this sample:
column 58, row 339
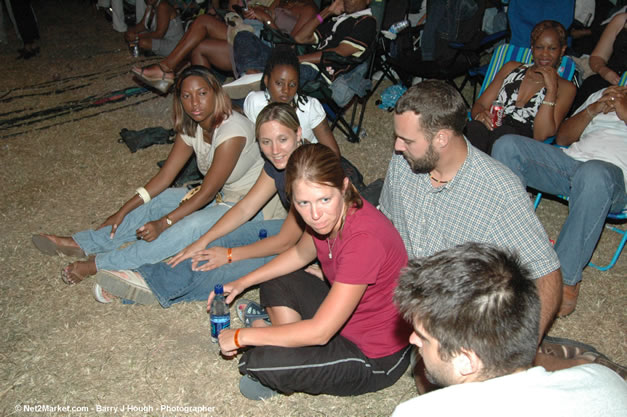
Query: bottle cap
column 218, row 289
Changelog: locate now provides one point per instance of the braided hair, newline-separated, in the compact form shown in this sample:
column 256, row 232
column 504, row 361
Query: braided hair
column 283, row 55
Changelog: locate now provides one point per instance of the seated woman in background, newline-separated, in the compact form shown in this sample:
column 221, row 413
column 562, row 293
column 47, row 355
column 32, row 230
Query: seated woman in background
column 279, row 135
column 534, row 97
column 160, row 220
column 338, row 335
column 280, row 84
column 159, row 30
column 206, row 40
column 608, row 59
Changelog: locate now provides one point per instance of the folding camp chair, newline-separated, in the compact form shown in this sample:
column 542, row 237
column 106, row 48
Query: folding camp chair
column 523, row 15
column 460, row 58
column 508, row 52
column 614, row 217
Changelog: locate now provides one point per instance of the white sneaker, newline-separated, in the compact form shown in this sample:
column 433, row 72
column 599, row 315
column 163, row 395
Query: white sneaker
column 243, row 85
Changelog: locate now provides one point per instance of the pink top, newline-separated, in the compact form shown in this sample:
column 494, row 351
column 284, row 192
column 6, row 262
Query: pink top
column 369, row 251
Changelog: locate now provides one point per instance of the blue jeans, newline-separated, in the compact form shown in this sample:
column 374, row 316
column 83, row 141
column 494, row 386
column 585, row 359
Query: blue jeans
column 594, row 188
column 174, row 285
column 251, row 53
column 172, row 240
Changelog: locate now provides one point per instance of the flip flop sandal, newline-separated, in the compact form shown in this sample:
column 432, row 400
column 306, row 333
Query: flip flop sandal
column 248, row 311
column 48, row 247
column 126, row 284
column 565, row 348
column 162, row 84
column 101, row 295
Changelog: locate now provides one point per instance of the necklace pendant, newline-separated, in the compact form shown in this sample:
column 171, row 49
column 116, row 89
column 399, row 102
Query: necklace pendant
column 330, row 255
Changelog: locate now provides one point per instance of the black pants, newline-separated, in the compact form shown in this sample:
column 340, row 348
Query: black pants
column 591, row 85
column 337, row 368
column 483, row 139
column 25, row 20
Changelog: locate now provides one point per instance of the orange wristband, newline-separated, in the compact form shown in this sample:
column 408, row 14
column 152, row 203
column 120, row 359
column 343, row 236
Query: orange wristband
column 235, row 338
column 229, row 255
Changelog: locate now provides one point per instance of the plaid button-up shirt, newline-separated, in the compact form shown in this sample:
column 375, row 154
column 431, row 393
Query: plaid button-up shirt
column 485, row 202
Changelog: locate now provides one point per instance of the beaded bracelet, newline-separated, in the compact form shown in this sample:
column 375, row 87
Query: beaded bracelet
column 143, row 194
column 229, row 255
column 236, row 338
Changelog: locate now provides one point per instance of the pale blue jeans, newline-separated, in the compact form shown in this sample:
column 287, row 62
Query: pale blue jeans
column 177, row 284
column 594, row 188
column 171, row 241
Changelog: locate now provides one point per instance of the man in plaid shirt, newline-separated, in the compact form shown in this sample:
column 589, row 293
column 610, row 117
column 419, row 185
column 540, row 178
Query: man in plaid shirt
column 440, row 192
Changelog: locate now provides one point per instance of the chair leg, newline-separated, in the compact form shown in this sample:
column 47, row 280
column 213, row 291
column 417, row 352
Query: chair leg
column 618, row 251
column 536, row 202
column 452, row 82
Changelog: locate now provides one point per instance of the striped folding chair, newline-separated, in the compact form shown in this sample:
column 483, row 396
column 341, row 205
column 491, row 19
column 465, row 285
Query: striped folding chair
column 615, row 217
column 507, row 52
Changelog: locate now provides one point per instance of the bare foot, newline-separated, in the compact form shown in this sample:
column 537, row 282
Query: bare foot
column 79, row 270
column 55, row 245
column 103, row 296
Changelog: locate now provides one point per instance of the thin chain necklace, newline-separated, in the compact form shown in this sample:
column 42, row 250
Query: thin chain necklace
column 330, row 246
column 437, row 180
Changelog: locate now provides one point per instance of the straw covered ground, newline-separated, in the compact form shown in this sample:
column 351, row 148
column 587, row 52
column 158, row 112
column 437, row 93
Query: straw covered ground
column 63, row 170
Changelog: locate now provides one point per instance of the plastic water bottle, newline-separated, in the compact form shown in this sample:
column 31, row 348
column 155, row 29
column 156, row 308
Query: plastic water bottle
column 399, row 26
column 219, row 315
column 135, row 48
column 263, row 233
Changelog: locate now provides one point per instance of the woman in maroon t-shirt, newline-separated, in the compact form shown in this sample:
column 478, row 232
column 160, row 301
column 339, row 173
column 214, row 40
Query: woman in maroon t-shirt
column 341, row 335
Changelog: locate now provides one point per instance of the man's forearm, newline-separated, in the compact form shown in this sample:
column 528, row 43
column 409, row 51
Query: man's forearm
column 306, row 32
column 571, row 129
column 313, row 57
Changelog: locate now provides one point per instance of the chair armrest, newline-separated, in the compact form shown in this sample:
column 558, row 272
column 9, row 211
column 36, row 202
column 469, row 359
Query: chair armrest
column 334, row 57
column 275, row 36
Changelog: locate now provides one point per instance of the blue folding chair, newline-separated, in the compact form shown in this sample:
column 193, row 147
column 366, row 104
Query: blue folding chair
column 523, row 15
column 619, row 217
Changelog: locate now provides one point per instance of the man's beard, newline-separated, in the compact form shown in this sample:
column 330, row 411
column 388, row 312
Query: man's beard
column 438, row 376
column 426, row 164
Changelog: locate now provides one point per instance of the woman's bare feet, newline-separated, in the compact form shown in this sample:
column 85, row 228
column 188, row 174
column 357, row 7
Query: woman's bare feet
column 78, row 271
column 56, row 245
column 102, row 296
